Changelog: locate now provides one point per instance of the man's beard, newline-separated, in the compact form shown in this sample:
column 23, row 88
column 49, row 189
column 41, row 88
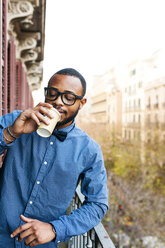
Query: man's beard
column 67, row 120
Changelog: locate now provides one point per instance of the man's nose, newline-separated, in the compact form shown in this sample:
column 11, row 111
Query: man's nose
column 59, row 101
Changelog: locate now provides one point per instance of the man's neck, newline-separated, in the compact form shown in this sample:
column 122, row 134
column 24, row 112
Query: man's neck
column 64, row 125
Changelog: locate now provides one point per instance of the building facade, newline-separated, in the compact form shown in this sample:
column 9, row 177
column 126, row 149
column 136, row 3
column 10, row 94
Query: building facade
column 22, row 31
column 132, row 100
column 99, row 100
column 155, row 99
column 114, row 106
column 103, row 88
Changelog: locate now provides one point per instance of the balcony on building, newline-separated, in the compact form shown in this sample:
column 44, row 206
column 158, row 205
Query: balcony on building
column 133, row 124
column 156, row 105
column 162, row 126
column 152, row 125
column 148, row 106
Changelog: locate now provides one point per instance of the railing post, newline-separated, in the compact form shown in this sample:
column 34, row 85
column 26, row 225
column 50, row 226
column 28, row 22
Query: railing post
column 93, row 237
column 89, row 241
column 96, row 237
column 84, row 240
column 81, row 241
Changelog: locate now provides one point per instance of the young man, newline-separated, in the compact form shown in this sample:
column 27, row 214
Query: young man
column 40, row 175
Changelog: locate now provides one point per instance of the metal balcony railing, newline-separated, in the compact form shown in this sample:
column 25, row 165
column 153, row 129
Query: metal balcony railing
column 155, row 124
column 96, row 237
column 156, row 105
column 148, row 106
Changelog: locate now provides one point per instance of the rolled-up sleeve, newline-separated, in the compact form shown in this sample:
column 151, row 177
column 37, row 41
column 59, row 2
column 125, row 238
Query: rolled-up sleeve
column 5, row 121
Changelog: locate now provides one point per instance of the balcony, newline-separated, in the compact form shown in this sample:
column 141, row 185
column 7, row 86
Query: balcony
column 133, row 124
column 153, row 125
column 162, row 126
column 132, row 108
column 148, row 106
column 156, row 105
column 96, row 237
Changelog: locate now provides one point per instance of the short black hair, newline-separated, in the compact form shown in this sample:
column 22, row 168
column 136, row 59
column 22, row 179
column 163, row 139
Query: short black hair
column 74, row 73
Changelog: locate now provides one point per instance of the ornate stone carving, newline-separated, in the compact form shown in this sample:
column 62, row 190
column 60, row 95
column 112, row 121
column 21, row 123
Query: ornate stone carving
column 35, row 75
column 27, row 43
column 19, row 8
column 35, row 69
column 29, row 55
column 26, row 23
column 34, row 82
column 21, row 16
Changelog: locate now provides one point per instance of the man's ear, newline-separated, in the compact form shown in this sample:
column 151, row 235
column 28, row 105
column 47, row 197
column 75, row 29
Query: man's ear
column 82, row 102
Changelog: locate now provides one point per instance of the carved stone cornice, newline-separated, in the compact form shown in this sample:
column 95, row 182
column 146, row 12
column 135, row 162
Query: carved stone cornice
column 29, row 55
column 35, row 73
column 19, row 11
column 35, row 69
column 26, row 22
column 27, row 43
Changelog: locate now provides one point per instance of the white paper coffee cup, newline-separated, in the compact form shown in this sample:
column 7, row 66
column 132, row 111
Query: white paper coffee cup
column 46, row 130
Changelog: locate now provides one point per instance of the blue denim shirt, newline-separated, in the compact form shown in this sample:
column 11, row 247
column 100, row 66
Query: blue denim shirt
column 39, row 178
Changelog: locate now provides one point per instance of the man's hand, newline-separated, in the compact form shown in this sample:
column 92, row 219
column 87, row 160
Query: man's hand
column 29, row 120
column 37, row 232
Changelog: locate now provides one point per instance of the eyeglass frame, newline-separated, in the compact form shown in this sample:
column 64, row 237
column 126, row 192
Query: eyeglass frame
column 61, row 94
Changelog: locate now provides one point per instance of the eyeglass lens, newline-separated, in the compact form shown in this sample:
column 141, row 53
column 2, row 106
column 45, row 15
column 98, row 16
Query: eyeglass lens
column 67, row 98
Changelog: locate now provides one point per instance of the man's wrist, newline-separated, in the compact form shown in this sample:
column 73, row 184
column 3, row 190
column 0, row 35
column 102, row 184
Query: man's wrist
column 7, row 137
column 12, row 134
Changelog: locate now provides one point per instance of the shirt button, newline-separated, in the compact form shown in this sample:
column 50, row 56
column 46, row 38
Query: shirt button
column 38, row 182
column 45, row 162
column 16, row 238
column 51, row 143
column 31, row 202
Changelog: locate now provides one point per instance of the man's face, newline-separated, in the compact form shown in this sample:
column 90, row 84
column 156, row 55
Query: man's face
column 65, row 83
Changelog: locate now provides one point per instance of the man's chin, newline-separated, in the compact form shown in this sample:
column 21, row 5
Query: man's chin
column 68, row 120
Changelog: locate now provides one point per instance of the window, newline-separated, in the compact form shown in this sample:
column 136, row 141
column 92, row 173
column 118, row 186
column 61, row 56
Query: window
column 149, row 103
column 156, row 118
column 139, row 103
column 134, row 103
column 125, row 135
column 129, row 134
column 148, row 120
column 156, row 105
column 157, row 99
column 139, row 118
column 134, row 134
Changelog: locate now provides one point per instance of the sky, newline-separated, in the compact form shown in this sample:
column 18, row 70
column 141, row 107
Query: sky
column 94, row 35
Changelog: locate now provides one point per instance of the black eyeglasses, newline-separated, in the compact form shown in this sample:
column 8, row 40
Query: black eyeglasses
column 67, row 98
